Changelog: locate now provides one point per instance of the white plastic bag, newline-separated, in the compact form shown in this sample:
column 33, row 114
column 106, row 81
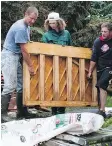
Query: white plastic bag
column 33, row 131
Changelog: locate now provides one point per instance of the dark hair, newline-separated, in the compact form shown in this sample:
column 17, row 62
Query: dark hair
column 32, row 10
column 107, row 25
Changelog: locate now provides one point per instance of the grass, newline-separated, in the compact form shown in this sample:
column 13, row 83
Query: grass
column 108, row 122
column 109, row 101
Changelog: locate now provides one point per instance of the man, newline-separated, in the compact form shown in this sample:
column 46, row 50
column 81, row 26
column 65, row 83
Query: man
column 102, row 58
column 13, row 48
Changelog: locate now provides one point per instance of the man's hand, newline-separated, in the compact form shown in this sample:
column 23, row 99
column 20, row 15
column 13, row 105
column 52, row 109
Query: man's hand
column 31, row 70
column 89, row 76
column 26, row 57
column 91, row 67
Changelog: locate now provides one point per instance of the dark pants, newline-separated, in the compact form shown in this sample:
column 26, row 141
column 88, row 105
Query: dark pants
column 103, row 78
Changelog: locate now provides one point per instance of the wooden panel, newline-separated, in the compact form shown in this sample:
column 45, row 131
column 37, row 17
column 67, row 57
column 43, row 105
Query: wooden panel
column 62, row 103
column 61, row 77
column 94, row 90
column 75, row 79
column 48, row 78
column 58, row 50
column 88, row 83
column 26, row 83
column 34, row 80
column 82, row 78
column 56, row 77
column 41, row 79
column 69, row 78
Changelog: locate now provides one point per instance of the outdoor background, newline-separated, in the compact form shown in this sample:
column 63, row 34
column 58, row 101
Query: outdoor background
column 83, row 18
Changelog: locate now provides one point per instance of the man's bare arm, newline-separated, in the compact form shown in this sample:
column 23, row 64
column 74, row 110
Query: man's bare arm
column 27, row 59
column 91, row 68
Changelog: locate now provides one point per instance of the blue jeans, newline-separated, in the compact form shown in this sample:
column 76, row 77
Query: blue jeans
column 12, row 72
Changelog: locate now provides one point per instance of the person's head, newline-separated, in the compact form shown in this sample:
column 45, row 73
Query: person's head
column 31, row 15
column 106, row 30
column 54, row 22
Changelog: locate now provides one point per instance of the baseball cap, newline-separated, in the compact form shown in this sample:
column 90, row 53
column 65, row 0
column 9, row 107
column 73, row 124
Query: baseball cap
column 53, row 16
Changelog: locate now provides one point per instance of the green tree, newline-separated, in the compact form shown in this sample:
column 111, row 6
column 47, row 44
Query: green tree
column 99, row 12
column 74, row 13
column 83, row 18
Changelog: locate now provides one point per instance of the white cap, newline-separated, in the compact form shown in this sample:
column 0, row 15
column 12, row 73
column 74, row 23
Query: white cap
column 53, row 16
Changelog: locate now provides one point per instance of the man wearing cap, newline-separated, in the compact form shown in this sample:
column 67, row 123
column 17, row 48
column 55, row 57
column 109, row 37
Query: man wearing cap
column 56, row 34
column 13, row 48
column 102, row 58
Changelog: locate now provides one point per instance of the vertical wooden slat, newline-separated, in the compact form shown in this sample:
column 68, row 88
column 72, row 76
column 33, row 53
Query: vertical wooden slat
column 56, row 77
column 94, row 90
column 69, row 78
column 82, row 79
column 42, row 77
column 26, row 83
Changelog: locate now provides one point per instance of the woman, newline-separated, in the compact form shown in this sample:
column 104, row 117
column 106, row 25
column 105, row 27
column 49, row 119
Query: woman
column 56, row 34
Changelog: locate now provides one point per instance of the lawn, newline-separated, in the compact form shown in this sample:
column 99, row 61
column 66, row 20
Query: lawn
column 109, row 101
column 108, row 122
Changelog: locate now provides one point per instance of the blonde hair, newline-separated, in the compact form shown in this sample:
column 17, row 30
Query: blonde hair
column 60, row 24
column 31, row 10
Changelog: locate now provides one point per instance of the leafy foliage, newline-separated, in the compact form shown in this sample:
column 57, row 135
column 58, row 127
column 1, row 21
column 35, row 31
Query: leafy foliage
column 74, row 13
column 83, row 18
column 11, row 11
column 99, row 12
column 102, row 9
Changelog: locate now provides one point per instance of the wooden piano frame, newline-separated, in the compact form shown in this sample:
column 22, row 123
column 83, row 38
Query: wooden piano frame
column 61, row 76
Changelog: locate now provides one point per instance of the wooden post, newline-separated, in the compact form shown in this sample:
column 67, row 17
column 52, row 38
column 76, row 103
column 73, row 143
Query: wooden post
column 56, row 77
column 69, row 78
column 82, row 78
column 94, row 90
column 26, row 83
column 42, row 77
